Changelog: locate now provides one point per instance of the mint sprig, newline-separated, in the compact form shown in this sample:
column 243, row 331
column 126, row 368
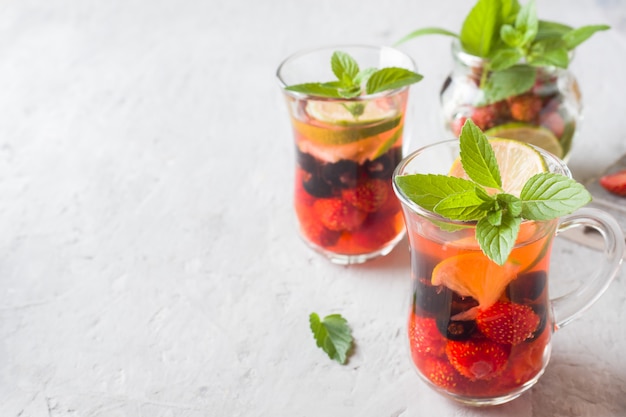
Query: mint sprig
column 514, row 42
column 332, row 335
column 352, row 81
column 498, row 216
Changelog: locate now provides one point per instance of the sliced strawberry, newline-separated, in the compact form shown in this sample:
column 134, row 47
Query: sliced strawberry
column 368, row 196
column 478, row 358
column 615, row 183
column 338, row 215
column 441, row 373
column 425, row 338
column 506, row 322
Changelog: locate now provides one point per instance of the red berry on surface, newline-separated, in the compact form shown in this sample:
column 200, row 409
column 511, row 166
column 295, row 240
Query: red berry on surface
column 368, row 196
column 478, row 359
column 525, row 108
column 615, row 183
column 506, row 322
column 425, row 338
column 338, row 215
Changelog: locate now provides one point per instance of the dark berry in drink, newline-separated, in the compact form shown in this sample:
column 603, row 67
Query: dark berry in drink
column 317, row 187
column 455, row 329
column 306, row 161
column 343, row 173
column 527, row 287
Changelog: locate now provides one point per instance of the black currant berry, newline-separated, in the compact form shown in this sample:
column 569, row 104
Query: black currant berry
column 343, row 173
column 527, row 287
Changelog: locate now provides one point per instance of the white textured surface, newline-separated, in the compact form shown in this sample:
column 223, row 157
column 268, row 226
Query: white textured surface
column 149, row 264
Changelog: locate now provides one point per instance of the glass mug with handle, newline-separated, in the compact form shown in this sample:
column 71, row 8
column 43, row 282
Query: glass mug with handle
column 480, row 332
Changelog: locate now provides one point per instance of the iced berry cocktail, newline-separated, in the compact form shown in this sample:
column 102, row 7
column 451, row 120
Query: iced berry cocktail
column 347, row 144
column 481, row 216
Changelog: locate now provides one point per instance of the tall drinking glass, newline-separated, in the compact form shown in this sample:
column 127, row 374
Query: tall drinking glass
column 346, row 151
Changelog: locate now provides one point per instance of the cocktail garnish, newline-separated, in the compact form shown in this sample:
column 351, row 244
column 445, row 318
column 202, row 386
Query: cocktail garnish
column 514, row 41
column 353, row 82
column 484, row 198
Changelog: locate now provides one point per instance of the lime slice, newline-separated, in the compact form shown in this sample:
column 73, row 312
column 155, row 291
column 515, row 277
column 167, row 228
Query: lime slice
column 331, row 123
column 338, row 112
column 535, row 135
column 474, row 275
column 517, row 162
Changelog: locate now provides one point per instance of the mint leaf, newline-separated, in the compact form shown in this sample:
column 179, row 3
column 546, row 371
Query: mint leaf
column 479, row 27
column 344, row 67
column 577, row 36
column 463, row 206
column 426, row 31
column 427, row 190
column 549, row 52
column 511, row 36
column 350, row 79
column 511, row 203
column 509, row 82
column 332, row 335
column 477, row 157
column 363, row 75
column 527, row 22
column 497, row 241
column 390, row 79
column 315, row 89
column 505, row 58
column 547, row 196
column 551, row 30
column 508, row 11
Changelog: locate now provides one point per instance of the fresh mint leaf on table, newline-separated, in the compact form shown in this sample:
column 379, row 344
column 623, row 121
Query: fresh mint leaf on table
column 498, row 215
column 353, row 82
column 513, row 41
column 332, row 335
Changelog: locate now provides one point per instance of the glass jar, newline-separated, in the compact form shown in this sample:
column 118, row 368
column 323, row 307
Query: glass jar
column 546, row 115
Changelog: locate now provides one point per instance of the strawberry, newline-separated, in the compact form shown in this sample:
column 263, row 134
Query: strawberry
column 478, row 358
column 485, row 117
column 615, row 183
column 318, row 234
column 375, row 232
column 457, row 125
column 338, row 215
column 525, row 107
column 553, row 121
column 506, row 322
column 441, row 373
column 424, row 338
column 368, row 196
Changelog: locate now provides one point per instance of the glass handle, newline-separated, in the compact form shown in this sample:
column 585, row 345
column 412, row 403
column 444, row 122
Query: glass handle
column 570, row 306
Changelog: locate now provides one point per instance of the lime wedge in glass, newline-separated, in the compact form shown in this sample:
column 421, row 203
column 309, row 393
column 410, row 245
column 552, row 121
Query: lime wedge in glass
column 517, row 161
column 535, row 135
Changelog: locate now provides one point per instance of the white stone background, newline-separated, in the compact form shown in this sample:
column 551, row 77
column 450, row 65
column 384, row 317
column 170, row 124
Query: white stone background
column 149, row 263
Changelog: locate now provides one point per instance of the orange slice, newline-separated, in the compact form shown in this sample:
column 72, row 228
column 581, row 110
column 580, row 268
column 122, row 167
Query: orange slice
column 474, row 275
